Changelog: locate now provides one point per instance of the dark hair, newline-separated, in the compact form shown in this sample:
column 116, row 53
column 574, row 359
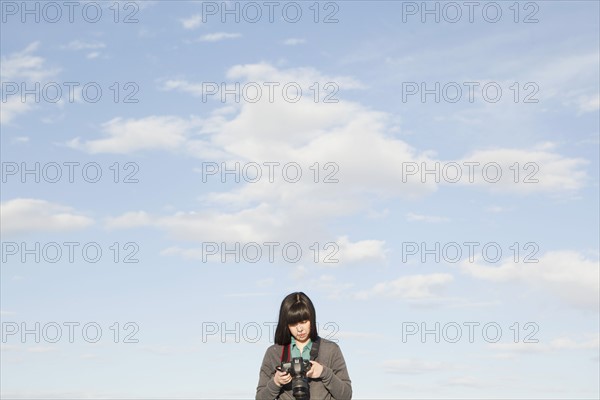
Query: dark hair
column 296, row 307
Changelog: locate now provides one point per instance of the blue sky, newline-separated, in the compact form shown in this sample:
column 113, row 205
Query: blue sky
column 130, row 173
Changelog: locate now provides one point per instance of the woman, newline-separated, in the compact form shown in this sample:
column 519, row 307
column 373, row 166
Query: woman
column 296, row 336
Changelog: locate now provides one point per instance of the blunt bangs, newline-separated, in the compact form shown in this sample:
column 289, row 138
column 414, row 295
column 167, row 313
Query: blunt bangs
column 298, row 312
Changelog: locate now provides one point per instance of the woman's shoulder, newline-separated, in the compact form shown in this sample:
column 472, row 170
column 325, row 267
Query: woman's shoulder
column 328, row 345
column 327, row 342
column 274, row 349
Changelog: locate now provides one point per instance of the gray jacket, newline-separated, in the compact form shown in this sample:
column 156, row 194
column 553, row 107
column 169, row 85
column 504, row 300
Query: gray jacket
column 333, row 384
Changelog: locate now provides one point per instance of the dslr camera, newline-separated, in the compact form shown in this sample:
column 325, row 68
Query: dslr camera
column 297, row 368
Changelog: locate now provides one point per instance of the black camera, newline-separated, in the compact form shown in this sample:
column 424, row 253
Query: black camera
column 297, row 368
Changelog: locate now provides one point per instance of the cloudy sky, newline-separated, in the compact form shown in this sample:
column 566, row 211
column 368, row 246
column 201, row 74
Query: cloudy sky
column 427, row 172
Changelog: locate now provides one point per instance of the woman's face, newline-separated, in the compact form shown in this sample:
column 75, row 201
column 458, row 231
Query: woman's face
column 300, row 331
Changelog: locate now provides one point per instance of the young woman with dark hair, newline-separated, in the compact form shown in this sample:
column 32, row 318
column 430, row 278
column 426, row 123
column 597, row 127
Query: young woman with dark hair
column 296, row 336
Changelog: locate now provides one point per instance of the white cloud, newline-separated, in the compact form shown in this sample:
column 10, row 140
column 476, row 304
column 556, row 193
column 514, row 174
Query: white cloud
column 363, row 250
column 331, row 132
column 566, row 343
column 360, row 335
column 305, row 76
column 186, row 254
column 192, row 22
column 183, row 85
column 41, row 349
column 511, row 350
column 569, row 79
column 33, row 215
column 216, row 37
column 425, row 218
column 24, row 65
column 588, row 103
column 262, row 73
column 129, row 135
column 250, row 225
column 332, row 287
column 22, row 68
column 566, row 274
column 538, row 170
column 497, row 209
column 8, row 347
column 467, row 381
column 300, row 272
column 53, row 394
column 411, row 366
column 328, row 254
column 267, row 282
column 506, row 170
column 378, row 214
column 169, row 350
column 21, row 139
column 354, row 141
column 259, row 224
column 293, row 41
column 76, row 45
column 129, row 220
column 411, row 287
column 12, row 108
column 247, row 294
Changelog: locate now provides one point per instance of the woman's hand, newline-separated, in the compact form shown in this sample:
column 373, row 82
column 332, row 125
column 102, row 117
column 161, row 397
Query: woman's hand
column 282, row 378
column 315, row 370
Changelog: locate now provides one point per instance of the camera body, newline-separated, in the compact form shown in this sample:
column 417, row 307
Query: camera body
column 297, row 367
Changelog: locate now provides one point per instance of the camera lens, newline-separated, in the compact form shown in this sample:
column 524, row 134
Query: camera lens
column 300, row 388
